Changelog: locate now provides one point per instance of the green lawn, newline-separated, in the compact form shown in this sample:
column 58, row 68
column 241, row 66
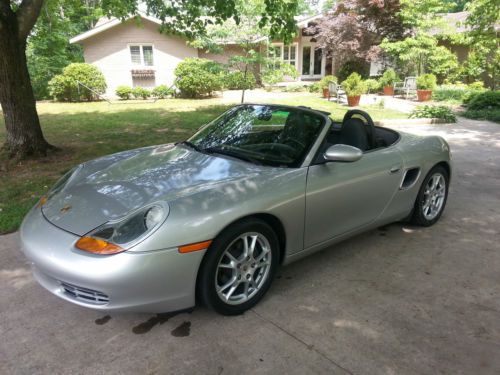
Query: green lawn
column 85, row 131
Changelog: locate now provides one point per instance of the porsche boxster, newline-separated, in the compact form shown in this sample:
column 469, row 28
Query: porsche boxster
column 212, row 218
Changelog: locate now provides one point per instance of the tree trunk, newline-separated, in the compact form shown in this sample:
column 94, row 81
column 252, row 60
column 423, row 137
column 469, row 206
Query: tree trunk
column 24, row 134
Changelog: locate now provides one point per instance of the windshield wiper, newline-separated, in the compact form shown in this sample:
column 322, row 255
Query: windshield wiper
column 217, row 150
column 190, row 145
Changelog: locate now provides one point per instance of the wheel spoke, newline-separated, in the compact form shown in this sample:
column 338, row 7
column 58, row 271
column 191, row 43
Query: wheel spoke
column 227, row 285
column 231, row 291
column 228, row 266
column 251, row 250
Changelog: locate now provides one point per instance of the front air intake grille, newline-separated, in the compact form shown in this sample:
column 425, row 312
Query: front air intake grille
column 85, row 295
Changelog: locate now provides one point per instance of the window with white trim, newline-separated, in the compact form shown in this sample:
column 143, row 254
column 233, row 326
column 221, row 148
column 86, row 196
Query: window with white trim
column 141, row 55
column 290, row 54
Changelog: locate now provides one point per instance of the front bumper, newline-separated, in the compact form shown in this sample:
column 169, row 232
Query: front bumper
column 156, row 281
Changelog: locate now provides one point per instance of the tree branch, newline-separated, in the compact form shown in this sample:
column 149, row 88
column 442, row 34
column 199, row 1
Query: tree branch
column 27, row 14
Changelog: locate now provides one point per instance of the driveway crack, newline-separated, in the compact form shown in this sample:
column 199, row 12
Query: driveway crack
column 298, row 339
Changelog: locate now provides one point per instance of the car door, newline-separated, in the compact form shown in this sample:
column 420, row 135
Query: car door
column 341, row 197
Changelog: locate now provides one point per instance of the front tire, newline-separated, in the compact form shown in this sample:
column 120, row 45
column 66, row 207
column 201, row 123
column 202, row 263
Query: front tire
column 239, row 267
column 431, row 198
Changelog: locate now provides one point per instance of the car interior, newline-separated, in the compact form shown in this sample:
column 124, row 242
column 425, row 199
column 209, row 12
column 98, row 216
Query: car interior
column 358, row 130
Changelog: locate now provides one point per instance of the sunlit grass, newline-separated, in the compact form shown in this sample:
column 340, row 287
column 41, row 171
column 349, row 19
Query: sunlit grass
column 85, row 131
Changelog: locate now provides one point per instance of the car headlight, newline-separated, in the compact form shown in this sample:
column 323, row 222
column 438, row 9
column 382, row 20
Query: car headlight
column 117, row 236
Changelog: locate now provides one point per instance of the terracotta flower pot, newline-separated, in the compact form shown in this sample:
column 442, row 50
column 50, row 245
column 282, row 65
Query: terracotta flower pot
column 424, row 95
column 389, row 90
column 353, row 101
column 326, row 93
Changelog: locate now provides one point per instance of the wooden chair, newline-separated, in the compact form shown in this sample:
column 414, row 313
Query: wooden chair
column 335, row 89
column 406, row 88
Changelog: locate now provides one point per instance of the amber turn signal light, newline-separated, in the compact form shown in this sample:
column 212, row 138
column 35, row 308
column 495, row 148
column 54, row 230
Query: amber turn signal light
column 42, row 201
column 97, row 246
column 194, row 247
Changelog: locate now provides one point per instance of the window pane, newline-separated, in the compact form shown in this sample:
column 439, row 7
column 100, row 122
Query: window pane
column 317, row 61
column 292, row 53
column 306, row 60
column 286, row 55
column 147, row 51
column 135, row 53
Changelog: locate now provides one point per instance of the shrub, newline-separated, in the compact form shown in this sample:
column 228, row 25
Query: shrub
column 456, row 92
column 238, row 81
column 426, row 82
column 162, row 91
column 314, row 87
column 372, row 85
column 483, row 114
column 198, row 77
column 389, row 78
column 275, row 75
column 141, row 92
column 78, row 82
column 476, row 86
column 353, row 66
column 296, row 87
column 124, row 92
column 354, row 85
column 429, row 111
column 488, row 100
column 326, row 80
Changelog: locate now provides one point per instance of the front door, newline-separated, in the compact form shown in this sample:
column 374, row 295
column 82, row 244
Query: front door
column 341, row 197
column 312, row 61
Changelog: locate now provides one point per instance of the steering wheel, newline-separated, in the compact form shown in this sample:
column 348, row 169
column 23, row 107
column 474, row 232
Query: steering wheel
column 367, row 120
column 292, row 140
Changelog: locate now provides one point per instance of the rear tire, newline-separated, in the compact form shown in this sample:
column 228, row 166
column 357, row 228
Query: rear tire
column 431, row 198
column 239, row 267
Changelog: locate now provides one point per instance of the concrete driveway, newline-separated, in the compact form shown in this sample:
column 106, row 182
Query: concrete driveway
column 397, row 300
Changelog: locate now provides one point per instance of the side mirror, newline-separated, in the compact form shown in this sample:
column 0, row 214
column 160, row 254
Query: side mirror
column 343, row 153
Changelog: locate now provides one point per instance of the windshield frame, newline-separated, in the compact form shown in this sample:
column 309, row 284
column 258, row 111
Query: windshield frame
column 309, row 152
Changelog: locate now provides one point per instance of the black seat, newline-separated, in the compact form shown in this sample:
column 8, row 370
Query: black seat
column 353, row 133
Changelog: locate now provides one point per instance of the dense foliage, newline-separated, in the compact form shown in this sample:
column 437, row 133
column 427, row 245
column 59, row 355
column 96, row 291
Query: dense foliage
column 372, row 86
column 456, row 92
column 141, row 93
column 238, row 80
column 426, row 82
column 197, row 77
column 430, row 111
column 389, row 78
column 353, row 28
column 354, row 85
column 326, row 80
column 162, row 92
column 279, row 73
column 485, row 105
column 48, row 50
column 124, row 92
column 78, row 82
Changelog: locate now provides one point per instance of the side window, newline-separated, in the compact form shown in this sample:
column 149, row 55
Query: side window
column 142, row 55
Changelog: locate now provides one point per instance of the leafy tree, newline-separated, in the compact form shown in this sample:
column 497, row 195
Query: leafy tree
column 353, row 28
column 421, row 54
column 483, row 20
column 48, row 50
column 18, row 17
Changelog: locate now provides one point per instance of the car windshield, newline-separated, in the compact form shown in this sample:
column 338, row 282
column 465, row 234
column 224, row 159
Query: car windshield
column 261, row 134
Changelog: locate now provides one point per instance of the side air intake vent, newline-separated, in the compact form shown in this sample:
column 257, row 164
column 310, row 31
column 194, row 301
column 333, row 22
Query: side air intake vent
column 410, row 177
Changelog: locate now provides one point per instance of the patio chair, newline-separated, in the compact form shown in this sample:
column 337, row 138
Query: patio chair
column 406, row 88
column 336, row 90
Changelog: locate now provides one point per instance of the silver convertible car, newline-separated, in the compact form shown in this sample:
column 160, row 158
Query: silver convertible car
column 211, row 219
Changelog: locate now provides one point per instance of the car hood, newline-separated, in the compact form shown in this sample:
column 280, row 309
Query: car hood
column 108, row 188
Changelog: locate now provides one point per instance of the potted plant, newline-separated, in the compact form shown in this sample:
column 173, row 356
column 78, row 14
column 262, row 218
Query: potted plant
column 354, row 87
column 425, row 84
column 324, row 83
column 387, row 81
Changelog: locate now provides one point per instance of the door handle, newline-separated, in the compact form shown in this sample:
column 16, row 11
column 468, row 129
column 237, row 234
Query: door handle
column 395, row 169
